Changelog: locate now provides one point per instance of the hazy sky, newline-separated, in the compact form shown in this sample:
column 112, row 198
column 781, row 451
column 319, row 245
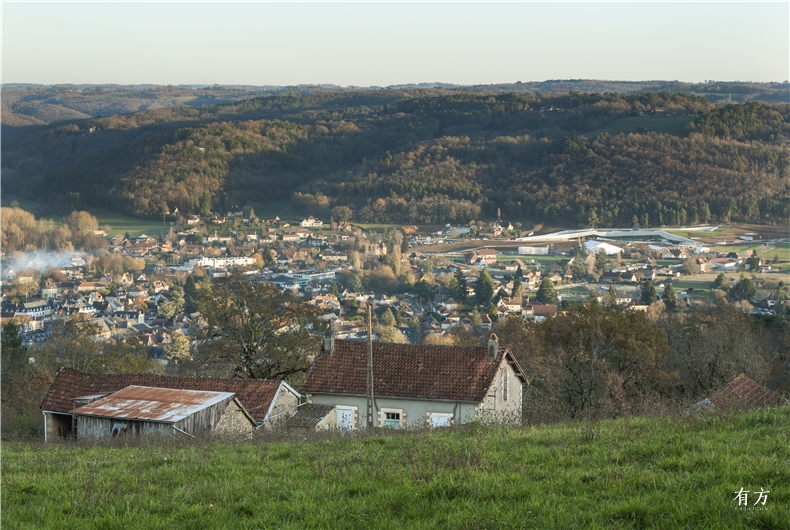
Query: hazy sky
column 376, row 43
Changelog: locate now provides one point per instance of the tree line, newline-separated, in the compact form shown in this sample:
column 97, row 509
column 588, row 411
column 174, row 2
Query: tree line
column 594, row 361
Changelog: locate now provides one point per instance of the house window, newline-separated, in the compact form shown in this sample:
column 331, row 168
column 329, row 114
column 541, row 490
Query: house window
column 392, row 420
column 345, row 418
column 439, row 419
column 504, row 384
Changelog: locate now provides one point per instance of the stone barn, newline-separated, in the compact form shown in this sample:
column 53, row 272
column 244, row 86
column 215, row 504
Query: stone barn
column 268, row 403
column 143, row 410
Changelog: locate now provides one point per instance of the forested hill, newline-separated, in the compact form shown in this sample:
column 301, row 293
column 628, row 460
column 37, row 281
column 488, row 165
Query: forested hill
column 422, row 155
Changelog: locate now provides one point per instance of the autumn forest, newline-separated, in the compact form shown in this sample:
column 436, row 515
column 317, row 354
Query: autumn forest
column 421, row 156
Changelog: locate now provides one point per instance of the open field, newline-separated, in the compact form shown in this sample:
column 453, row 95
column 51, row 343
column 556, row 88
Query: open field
column 121, row 224
column 627, row 473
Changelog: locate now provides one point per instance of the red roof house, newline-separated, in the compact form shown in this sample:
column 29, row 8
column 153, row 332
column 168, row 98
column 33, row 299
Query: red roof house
column 742, row 393
column 416, row 385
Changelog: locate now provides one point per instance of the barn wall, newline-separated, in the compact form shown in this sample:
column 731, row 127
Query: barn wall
column 204, row 421
column 57, row 426
column 284, row 400
column 98, row 427
column 329, row 422
column 233, row 420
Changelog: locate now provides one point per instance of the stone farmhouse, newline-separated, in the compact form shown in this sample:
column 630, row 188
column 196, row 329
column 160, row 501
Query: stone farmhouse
column 413, row 386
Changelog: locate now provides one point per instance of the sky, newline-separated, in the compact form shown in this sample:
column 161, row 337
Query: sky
column 389, row 43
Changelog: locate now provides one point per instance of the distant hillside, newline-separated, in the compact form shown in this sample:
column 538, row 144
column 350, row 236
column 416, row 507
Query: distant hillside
column 419, row 154
column 27, row 104
column 39, row 105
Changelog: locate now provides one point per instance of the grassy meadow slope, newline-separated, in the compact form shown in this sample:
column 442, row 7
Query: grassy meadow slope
column 627, row 473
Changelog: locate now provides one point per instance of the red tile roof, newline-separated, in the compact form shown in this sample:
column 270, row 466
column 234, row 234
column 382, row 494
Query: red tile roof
column 408, row 371
column 743, row 393
column 255, row 395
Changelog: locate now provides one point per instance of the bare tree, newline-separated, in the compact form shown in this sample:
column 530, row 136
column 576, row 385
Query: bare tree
column 257, row 330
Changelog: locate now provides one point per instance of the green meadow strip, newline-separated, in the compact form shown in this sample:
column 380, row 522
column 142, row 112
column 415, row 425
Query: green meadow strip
column 626, row 473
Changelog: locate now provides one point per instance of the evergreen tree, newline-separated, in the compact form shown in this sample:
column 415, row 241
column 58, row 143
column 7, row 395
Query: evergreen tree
column 173, row 307
column 670, row 298
column 355, row 284
column 546, row 293
column 743, row 290
column 484, row 288
column 518, row 289
column 424, row 291
column 648, row 293
column 611, row 297
column 205, row 203
column 579, row 249
column 721, row 282
column 387, row 318
column 459, row 288
column 579, row 268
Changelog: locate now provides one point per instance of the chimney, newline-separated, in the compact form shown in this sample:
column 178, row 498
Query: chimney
column 493, row 348
column 329, row 342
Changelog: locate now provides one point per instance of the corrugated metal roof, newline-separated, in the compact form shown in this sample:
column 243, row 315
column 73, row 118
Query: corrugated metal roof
column 164, row 405
column 309, row 415
column 255, row 395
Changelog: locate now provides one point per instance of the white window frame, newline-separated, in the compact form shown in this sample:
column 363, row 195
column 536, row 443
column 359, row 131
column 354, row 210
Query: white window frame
column 385, row 422
column 353, row 417
column 447, row 415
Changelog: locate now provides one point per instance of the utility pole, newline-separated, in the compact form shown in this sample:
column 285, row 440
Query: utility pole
column 369, row 370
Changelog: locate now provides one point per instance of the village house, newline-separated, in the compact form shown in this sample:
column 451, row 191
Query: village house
column 515, row 265
column 539, row 312
column 49, row 290
column 75, row 398
column 619, row 277
column 85, row 287
column 508, row 304
column 415, row 386
column 724, row 264
column 311, row 222
column 532, row 278
column 483, row 257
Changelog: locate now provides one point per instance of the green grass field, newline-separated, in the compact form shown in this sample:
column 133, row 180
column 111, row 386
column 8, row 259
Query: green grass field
column 122, row 224
column 627, row 473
